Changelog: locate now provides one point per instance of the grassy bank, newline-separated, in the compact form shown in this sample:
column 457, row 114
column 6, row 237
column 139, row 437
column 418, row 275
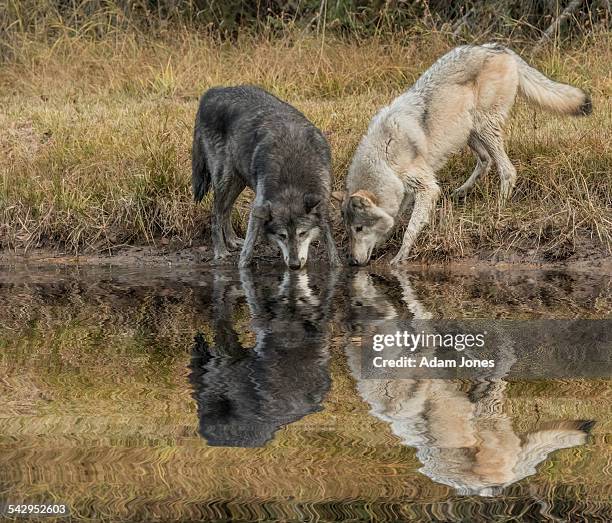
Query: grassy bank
column 95, row 148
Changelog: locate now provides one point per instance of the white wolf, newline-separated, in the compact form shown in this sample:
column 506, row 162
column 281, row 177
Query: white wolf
column 464, row 437
column 463, row 98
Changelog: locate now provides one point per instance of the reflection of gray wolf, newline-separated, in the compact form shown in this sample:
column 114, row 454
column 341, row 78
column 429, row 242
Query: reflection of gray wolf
column 244, row 136
column 463, row 437
column 245, row 392
column 464, row 98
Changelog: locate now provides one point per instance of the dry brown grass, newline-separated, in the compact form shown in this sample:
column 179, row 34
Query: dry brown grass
column 95, row 148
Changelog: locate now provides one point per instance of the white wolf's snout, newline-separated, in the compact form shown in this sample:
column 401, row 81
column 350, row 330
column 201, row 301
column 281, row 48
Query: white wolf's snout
column 369, row 226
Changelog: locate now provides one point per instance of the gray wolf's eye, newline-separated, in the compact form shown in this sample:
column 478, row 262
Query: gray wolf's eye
column 282, row 235
column 302, row 234
column 358, row 229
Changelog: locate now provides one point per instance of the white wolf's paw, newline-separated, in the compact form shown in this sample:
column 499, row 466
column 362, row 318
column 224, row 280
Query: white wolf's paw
column 459, row 193
column 399, row 259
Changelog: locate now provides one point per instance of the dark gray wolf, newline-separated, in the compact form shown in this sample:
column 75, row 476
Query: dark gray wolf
column 463, row 98
column 245, row 136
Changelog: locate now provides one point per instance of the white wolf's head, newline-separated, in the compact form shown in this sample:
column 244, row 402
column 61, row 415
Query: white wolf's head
column 368, row 225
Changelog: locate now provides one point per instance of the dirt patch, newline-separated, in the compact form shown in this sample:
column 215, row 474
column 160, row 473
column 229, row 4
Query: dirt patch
column 588, row 259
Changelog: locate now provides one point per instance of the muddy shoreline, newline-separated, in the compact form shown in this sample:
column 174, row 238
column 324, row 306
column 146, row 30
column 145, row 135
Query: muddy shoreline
column 133, row 256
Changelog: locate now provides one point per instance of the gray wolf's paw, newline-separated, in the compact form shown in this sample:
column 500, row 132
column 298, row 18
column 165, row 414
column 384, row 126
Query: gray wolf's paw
column 234, row 244
column 335, row 261
column 221, row 257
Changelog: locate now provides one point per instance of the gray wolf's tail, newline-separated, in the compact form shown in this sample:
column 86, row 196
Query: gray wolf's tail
column 550, row 95
column 200, row 176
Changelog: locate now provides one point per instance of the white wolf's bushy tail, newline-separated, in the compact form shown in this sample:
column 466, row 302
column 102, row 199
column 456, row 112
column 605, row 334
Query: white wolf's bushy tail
column 550, row 95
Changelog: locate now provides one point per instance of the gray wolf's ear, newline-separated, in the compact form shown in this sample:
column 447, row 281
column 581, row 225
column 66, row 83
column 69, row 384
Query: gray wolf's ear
column 311, row 202
column 263, row 211
column 339, row 196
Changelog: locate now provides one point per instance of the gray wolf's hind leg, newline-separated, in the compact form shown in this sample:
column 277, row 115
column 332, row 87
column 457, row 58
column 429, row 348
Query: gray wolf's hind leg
column 494, row 144
column 233, row 241
column 483, row 165
column 425, row 199
column 219, row 246
column 226, row 185
column 235, row 186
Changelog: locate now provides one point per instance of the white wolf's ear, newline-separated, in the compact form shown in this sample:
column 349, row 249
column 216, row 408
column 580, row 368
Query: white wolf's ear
column 311, row 202
column 362, row 200
column 263, row 211
column 339, row 196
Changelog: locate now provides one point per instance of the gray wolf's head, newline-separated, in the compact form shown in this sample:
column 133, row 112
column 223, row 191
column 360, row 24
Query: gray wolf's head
column 292, row 223
column 368, row 225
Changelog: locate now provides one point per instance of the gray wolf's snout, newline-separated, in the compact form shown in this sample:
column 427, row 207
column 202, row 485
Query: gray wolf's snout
column 355, row 263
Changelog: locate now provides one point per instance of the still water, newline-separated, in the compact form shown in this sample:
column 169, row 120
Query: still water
column 174, row 395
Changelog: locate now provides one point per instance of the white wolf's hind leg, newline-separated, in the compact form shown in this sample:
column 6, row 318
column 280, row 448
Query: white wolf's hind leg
column 483, row 165
column 494, row 144
column 425, row 199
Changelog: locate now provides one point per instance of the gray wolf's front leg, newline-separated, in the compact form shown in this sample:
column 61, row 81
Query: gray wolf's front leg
column 332, row 252
column 424, row 203
column 256, row 221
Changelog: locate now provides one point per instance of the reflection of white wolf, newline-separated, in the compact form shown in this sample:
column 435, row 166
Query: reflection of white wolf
column 464, row 98
column 463, row 438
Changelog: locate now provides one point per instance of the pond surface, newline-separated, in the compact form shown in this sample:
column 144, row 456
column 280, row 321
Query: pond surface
column 173, row 395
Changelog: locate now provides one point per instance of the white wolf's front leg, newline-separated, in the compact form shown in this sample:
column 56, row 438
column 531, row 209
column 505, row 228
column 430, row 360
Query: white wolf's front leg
column 425, row 200
column 334, row 259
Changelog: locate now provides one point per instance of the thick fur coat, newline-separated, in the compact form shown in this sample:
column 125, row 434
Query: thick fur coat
column 244, row 136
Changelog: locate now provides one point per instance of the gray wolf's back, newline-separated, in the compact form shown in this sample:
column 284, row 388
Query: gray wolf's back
column 242, row 128
column 226, row 109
